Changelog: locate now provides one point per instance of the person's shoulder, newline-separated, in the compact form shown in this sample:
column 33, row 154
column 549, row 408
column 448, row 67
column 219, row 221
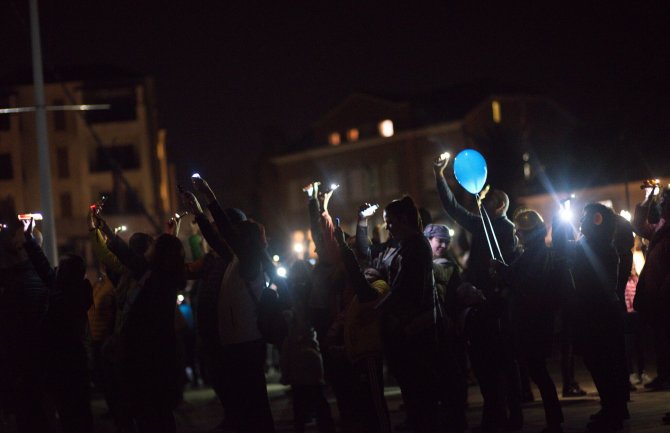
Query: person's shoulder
column 504, row 222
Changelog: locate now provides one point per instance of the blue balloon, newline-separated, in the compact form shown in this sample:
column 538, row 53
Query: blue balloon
column 470, row 170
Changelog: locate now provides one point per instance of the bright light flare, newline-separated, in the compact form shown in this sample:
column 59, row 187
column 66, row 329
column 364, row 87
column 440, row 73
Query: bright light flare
column 34, row 216
column 180, row 299
column 566, row 212
column 370, row 210
column 452, row 232
column 386, row 128
column 624, row 213
column 282, row 272
column 444, row 156
column 299, row 247
column 275, row 258
column 334, row 186
column 196, row 175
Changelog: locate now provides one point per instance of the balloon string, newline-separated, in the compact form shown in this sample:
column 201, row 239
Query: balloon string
column 493, row 234
column 486, row 232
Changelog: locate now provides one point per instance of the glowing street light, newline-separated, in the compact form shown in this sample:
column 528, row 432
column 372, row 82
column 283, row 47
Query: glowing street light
column 282, row 272
column 386, row 128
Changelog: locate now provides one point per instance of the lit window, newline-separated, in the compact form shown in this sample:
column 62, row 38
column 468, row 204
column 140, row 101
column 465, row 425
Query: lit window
column 386, row 128
column 352, row 134
column 495, row 109
column 334, row 139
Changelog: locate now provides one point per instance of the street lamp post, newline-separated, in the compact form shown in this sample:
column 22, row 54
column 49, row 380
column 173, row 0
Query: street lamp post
column 44, row 163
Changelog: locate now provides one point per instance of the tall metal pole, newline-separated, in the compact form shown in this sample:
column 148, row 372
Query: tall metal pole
column 43, row 158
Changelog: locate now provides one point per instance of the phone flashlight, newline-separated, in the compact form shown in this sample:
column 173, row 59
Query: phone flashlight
column 34, row 216
column 370, row 210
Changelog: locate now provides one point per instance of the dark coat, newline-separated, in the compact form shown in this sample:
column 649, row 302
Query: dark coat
column 539, row 283
column 652, row 296
column 149, row 345
column 596, row 308
column 477, row 271
column 411, row 298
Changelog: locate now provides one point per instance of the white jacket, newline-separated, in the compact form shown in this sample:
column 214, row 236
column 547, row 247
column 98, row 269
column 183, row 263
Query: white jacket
column 237, row 310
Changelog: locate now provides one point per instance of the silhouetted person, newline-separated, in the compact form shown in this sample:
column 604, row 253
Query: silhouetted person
column 486, row 325
column 537, row 281
column 597, row 313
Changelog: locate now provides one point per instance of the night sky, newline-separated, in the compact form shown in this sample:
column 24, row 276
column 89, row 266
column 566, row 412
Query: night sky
column 225, row 72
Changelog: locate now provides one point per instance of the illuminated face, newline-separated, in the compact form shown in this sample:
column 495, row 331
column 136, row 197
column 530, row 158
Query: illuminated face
column 439, row 246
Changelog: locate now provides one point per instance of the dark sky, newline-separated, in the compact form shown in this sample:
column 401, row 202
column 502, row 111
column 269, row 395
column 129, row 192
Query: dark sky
column 225, row 71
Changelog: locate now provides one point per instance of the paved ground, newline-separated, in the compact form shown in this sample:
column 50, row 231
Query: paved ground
column 200, row 411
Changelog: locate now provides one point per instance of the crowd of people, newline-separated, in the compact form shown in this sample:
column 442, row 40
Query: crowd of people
column 406, row 305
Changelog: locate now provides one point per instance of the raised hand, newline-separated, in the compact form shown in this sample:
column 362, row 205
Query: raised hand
column 312, row 189
column 366, row 210
column 28, row 226
column 441, row 163
column 92, row 219
column 202, row 187
column 190, row 202
column 172, row 226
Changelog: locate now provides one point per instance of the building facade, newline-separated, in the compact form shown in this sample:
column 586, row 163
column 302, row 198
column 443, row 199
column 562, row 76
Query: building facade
column 118, row 153
column 378, row 150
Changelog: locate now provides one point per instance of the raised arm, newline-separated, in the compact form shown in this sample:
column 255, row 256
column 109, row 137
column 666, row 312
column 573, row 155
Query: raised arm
column 102, row 253
column 36, row 255
column 640, row 222
column 314, row 209
column 226, row 230
column 365, row 211
column 363, row 290
column 134, row 262
column 208, row 232
column 466, row 219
